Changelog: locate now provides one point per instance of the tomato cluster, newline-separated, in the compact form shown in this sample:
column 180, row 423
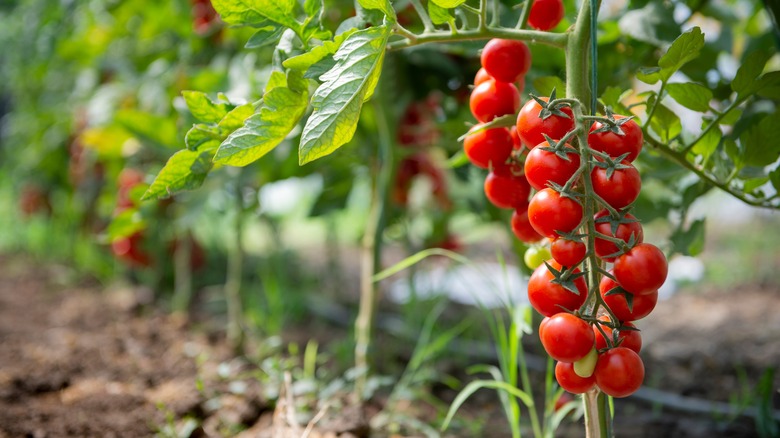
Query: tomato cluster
column 587, row 328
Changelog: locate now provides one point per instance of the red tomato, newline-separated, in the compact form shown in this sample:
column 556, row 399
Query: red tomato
column 630, row 339
column 505, row 190
column 619, row 372
column 543, row 166
column 642, row 270
column 567, row 338
column 570, row 381
column 642, row 304
column 488, row 147
column 545, row 14
column 616, row 145
column 549, row 212
column 130, row 250
column 620, row 189
column 506, row 60
column 481, row 76
column 522, row 228
column 531, row 127
column 544, row 322
column 624, row 231
column 568, row 252
column 549, row 298
column 492, row 99
column 516, row 143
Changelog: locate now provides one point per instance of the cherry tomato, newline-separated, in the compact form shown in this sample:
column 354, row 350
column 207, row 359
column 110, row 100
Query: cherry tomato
column 616, row 145
column 543, row 166
column 568, row 252
column 488, row 147
column 545, row 14
column 492, row 99
column 620, row 189
column 130, row 250
column 522, row 228
column 544, row 322
column 531, row 127
column 642, row 270
column 630, row 339
column 549, row 213
column 570, row 381
column 567, row 338
column 535, row 256
column 550, row 298
column 481, row 76
column 506, row 60
column 619, row 372
column 642, row 304
column 624, row 231
column 516, row 143
column 508, row 191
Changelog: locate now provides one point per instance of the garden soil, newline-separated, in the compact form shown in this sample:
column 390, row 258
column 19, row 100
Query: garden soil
column 79, row 361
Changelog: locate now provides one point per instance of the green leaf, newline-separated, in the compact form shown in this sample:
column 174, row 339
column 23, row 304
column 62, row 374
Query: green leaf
column 759, row 145
column 281, row 110
column 691, row 241
column 126, row 223
column 665, row 123
column 448, row 4
column 708, row 144
column 731, row 117
column 304, row 61
column 258, row 12
column 382, row 5
column 313, row 7
column 754, row 183
column 744, row 82
column 203, row 108
column 185, row 170
column 769, row 85
column 439, row 15
column 337, row 102
column 683, row 50
column 734, row 153
column 235, row 119
column 546, row 84
column 774, row 177
column 654, row 24
column 265, row 36
column 613, row 97
column 201, row 134
column 691, row 95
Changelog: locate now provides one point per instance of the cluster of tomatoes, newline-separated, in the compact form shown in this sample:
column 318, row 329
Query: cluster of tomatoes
column 593, row 340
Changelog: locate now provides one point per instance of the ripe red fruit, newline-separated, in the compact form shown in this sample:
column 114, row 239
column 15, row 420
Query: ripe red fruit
column 619, row 372
column 492, row 99
column 642, row 305
column 616, row 145
column 531, row 127
column 522, row 228
column 543, row 166
column 568, row 252
column 481, row 76
column 506, row 60
column 642, row 269
column 545, row 14
column 620, row 189
column 505, row 190
column 549, row 298
column 549, row 212
column 630, row 339
column 130, row 250
column 488, row 148
column 567, row 338
column 624, row 231
column 570, row 381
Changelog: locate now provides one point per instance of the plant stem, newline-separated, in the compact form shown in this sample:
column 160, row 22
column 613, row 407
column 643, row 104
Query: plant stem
column 558, row 40
column 577, row 51
column 371, row 254
column 235, row 263
column 418, row 7
column 714, row 123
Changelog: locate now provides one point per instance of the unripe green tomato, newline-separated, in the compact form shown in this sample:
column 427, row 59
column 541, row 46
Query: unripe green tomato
column 585, row 366
column 535, row 256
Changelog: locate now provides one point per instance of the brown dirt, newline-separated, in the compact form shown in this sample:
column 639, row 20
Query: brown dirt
column 75, row 362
